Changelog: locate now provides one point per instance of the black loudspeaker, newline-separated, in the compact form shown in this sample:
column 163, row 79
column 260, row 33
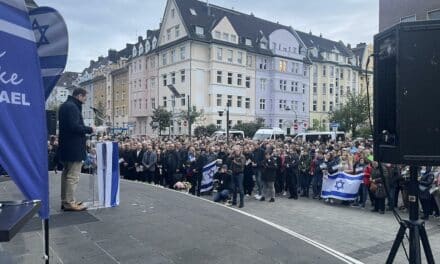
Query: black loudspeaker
column 407, row 94
column 51, row 119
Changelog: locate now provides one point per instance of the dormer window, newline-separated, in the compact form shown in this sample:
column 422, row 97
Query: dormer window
column 248, row 42
column 193, row 12
column 147, row 46
column 134, row 52
column 200, row 31
column 263, row 45
column 154, row 43
column 141, row 49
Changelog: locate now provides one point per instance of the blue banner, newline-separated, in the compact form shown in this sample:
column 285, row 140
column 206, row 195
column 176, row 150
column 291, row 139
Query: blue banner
column 23, row 134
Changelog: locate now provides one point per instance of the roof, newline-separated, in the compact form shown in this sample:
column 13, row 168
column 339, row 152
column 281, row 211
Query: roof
column 359, row 51
column 323, row 44
column 67, row 79
column 246, row 26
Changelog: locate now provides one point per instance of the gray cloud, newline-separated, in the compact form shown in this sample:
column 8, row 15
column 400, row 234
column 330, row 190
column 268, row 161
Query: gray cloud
column 98, row 25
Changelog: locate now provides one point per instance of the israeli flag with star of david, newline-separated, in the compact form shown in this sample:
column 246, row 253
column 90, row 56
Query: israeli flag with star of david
column 208, row 176
column 23, row 132
column 52, row 43
column 341, row 186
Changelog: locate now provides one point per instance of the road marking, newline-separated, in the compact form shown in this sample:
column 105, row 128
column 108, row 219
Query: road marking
column 339, row 255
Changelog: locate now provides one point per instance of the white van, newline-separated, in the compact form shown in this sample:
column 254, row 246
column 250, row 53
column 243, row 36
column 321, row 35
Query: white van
column 269, row 133
column 320, row 136
column 232, row 134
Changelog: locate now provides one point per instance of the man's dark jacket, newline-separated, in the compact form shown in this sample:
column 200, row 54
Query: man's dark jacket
column 72, row 145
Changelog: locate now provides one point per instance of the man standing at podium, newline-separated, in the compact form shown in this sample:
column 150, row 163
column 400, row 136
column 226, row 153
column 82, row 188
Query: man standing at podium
column 72, row 147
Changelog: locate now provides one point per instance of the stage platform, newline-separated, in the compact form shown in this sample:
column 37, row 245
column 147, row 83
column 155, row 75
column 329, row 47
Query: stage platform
column 156, row 225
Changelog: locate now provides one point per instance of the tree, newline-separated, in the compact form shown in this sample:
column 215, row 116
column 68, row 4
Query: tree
column 250, row 128
column 161, row 119
column 203, row 131
column 352, row 114
column 192, row 117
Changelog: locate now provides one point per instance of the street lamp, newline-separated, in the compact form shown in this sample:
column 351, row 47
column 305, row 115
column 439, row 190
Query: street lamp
column 220, row 113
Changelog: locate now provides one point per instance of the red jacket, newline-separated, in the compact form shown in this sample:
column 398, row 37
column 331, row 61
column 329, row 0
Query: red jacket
column 367, row 175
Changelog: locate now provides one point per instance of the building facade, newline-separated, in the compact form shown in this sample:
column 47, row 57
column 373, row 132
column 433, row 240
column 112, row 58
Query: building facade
column 392, row 12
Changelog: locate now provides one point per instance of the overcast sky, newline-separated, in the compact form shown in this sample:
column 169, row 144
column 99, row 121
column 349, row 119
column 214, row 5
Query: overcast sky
column 98, row 25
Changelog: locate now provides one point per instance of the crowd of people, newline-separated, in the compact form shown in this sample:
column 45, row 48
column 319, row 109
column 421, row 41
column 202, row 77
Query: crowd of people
column 270, row 169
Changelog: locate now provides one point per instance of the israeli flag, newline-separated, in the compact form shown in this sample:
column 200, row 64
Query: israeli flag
column 108, row 173
column 208, row 176
column 23, row 132
column 341, row 186
column 52, row 43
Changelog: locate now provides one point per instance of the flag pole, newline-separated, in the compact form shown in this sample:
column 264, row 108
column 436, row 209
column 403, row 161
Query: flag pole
column 46, row 240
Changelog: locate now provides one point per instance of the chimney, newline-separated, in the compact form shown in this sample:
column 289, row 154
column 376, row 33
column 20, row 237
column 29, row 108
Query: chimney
column 320, row 35
column 349, row 45
column 310, row 32
column 252, row 14
column 140, row 39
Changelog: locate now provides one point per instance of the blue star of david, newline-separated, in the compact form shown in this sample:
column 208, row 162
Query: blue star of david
column 42, row 30
column 211, row 174
column 339, row 185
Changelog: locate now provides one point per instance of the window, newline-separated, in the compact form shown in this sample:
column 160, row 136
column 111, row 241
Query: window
column 219, row 100
column 173, row 101
column 182, row 76
column 225, row 36
column 303, row 106
column 330, row 90
column 164, row 79
column 217, row 34
column 342, row 74
column 239, row 79
column 173, row 56
column 324, row 71
column 193, row 12
column 249, row 61
column 283, row 66
column 173, row 78
column 172, row 12
column 153, row 103
column 281, row 85
column 280, row 123
column 164, row 59
column 262, row 104
column 315, row 88
column 229, row 102
column 239, row 57
column 169, row 34
column 324, row 88
column 330, row 106
column 263, row 64
column 434, row 15
column 263, row 45
column 239, row 101
column 323, row 106
column 200, row 31
column 229, row 77
column 263, row 85
column 219, row 76
column 248, row 103
column 219, row 123
column 281, row 105
column 315, row 107
column 152, row 63
column 304, row 88
column 296, row 87
column 164, row 103
column 233, row 38
column 292, row 84
column 248, row 42
column 182, row 53
column 177, row 29
column 248, row 82
column 219, row 54
column 408, row 18
column 182, row 100
column 332, row 71
column 230, row 54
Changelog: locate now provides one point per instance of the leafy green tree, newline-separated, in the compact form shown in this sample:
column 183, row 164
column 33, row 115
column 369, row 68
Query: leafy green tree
column 352, row 114
column 161, row 119
column 205, row 131
column 250, row 128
